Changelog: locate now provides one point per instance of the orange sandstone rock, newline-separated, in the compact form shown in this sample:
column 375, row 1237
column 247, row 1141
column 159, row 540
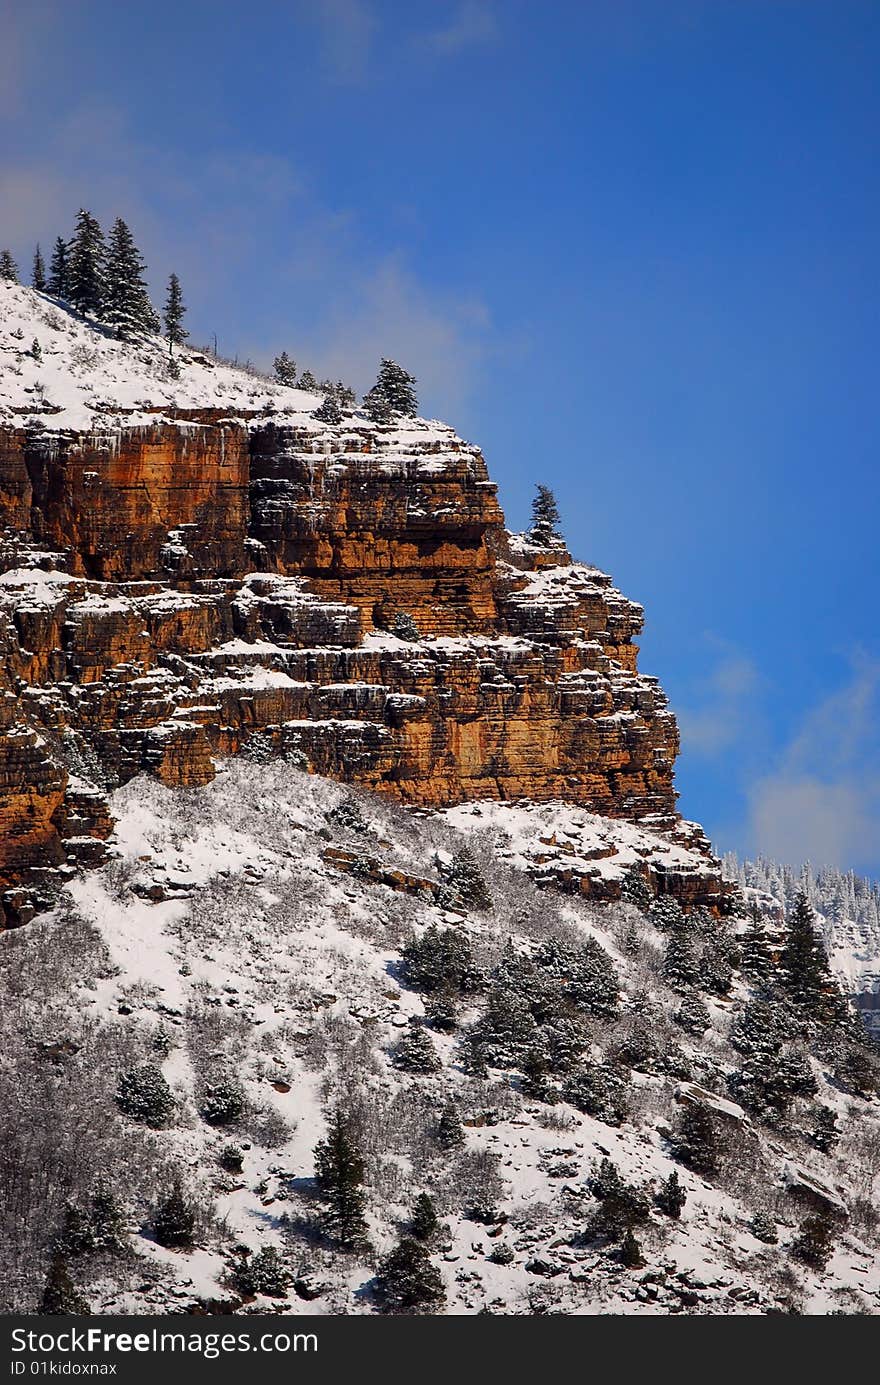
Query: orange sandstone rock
column 219, row 580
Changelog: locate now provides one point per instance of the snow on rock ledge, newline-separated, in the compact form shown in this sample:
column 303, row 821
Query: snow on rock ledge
column 193, row 566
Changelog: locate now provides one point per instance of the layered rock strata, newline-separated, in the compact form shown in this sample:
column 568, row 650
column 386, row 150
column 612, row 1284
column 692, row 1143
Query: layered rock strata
column 182, row 584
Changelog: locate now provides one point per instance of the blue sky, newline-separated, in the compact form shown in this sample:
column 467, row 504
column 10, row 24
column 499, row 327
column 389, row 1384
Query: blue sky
column 629, row 247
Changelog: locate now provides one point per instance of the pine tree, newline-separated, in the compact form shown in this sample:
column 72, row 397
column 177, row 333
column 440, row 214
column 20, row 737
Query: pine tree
column 416, row 1052
column 38, row 272
column 307, row 382
column 606, row 1181
column 622, row 1205
column 285, row 369
column 58, row 280
column 348, row 815
column 144, row 1095
column 634, row 889
column 825, row 1132
column 174, row 1221
column 441, row 1011
column 8, row 267
column 60, row 1296
column 537, row 1084
column 681, row 965
column 599, row 1090
column 173, row 314
column 664, row 912
column 697, row 1141
column 100, row 1227
column 815, row 1241
column 397, row 387
column 76, row 1236
column 805, row 971
column 441, row 960
column 769, row 1082
column 339, row 1175
column 755, row 960
column 545, row 527
column 671, row 1196
column 86, row 257
column 585, row 972
column 126, row 305
column 693, row 1015
column 376, row 406
column 763, row 1228
column 405, row 628
column 107, row 1219
column 231, row 1159
column 505, row 1031
column 466, row 881
column 224, row 1101
column 630, row 1251
column 408, row 1282
column 329, row 411
column 450, row 1133
column 263, row 1273
column 425, row 1223
column 856, row 1069
column 716, row 972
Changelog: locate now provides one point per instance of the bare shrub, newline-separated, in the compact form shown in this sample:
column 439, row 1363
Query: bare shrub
column 474, row 1186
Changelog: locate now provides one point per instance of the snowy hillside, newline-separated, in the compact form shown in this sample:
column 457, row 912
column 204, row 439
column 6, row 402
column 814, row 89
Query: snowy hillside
column 66, row 371
column 248, row 940
column 847, row 907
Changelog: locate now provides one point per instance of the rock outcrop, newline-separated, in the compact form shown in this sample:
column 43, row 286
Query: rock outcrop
column 181, row 583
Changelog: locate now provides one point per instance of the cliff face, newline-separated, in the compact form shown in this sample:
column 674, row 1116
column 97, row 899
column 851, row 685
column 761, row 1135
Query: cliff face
column 381, row 527
column 167, row 498
column 178, row 588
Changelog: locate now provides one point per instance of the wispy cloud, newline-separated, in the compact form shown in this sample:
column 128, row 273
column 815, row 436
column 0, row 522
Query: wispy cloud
column 473, row 24
column 387, row 311
column 24, row 30
column 295, row 276
column 193, row 215
column 724, row 708
column 821, row 800
column 346, row 29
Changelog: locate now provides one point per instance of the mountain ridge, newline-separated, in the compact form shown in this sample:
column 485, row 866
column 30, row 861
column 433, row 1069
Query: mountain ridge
column 194, row 560
column 493, row 958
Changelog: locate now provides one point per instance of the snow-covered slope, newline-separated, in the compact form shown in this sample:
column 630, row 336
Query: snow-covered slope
column 561, row 843
column 69, row 372
column 847, row 909
column 261, row 931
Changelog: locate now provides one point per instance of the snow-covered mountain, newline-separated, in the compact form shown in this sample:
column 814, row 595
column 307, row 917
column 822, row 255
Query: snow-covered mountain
column 253, row 929
column 74, row 373
column 328, row 805
column 847, row 910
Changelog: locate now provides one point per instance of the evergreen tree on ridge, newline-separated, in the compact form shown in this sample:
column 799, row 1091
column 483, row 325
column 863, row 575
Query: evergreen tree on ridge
column 58, row 280
column 86, row 259
column 126, row 306
column 38, row 272
column 173, row 313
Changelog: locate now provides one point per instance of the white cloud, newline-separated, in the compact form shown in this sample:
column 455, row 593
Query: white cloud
column 726, row 708
column 473, row 24
column 195, row 216
column 821, row 800
column 805, row 819
column 263, row 260
column 388, row 312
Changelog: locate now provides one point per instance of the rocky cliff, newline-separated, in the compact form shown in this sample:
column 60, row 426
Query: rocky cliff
column 191, row 567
